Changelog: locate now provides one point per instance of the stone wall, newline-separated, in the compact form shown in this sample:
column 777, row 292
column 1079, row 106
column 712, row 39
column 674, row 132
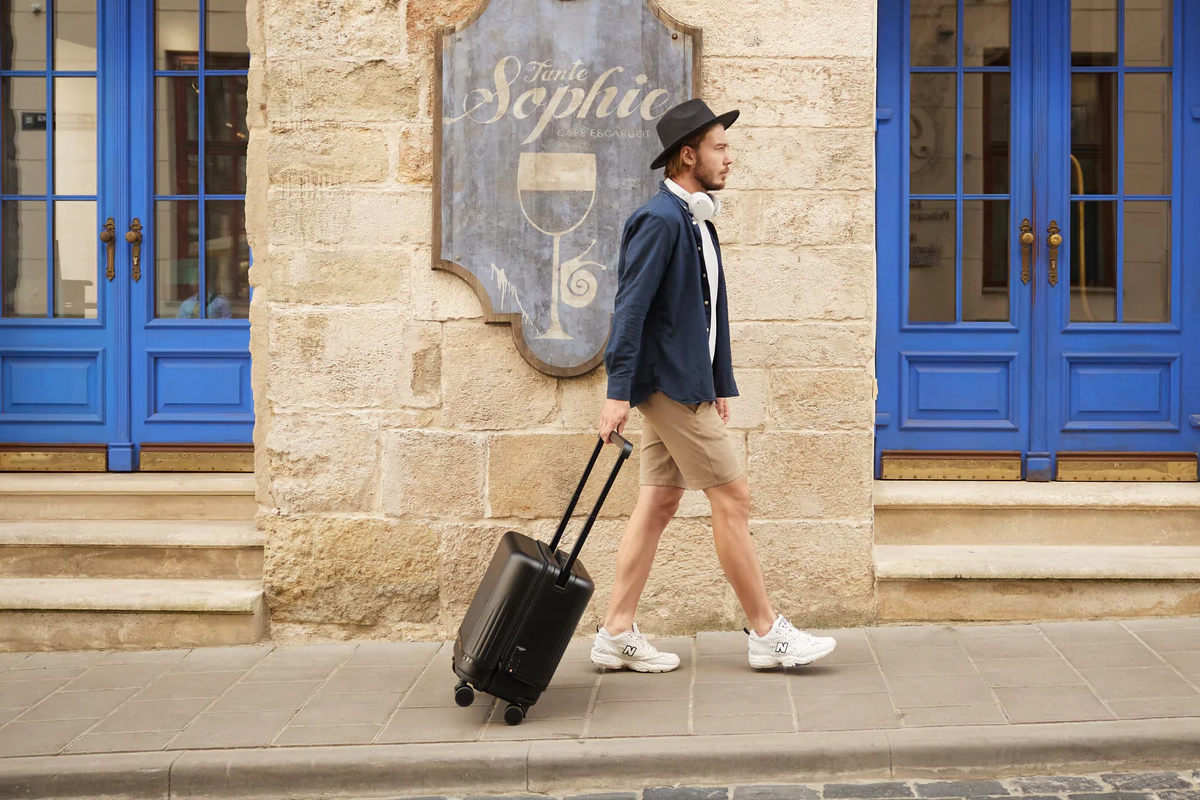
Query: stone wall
column 398, row 435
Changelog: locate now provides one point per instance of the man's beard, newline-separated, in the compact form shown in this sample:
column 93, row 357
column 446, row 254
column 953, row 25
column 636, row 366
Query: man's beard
column 708, row 182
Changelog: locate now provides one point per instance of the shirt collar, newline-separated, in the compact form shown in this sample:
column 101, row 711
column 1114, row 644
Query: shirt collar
column 677, row 190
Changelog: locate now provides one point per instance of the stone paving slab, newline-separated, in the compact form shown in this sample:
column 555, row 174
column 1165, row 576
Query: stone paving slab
column 390, row 693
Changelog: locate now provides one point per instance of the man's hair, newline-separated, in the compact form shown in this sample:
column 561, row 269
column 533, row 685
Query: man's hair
column 675, row 165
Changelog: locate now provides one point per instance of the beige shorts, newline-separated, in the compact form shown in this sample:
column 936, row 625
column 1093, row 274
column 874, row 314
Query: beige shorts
column 685, row 446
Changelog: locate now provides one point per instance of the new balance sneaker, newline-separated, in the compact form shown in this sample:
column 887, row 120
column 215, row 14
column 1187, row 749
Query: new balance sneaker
column 786, row 646
column 630, row 650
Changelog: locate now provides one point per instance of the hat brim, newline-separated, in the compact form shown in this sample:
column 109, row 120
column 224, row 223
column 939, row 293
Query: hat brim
column 726, row 120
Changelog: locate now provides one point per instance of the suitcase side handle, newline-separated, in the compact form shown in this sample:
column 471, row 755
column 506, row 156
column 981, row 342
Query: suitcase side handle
column 626, row 452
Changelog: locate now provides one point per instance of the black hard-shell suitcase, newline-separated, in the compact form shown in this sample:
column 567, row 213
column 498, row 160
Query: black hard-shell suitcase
column 526, row 610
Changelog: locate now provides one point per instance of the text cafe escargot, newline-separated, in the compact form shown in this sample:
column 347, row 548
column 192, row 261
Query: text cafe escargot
column 546, row 92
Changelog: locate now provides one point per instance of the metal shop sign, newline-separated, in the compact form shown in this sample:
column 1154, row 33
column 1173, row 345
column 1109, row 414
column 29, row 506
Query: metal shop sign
column 545, row 115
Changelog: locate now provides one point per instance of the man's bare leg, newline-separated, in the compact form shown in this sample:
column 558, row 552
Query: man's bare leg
column 736, row 551
column 656, row 506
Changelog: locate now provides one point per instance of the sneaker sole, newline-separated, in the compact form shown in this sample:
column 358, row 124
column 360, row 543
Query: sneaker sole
column 771, row 662
column 613, row 662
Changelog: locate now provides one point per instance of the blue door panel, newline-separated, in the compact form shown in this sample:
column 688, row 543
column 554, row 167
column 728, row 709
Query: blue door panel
column 52, row 386
column 960, row 391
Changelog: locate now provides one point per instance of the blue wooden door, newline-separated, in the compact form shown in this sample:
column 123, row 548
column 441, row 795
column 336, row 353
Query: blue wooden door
column 1002, row 124
column 105, row 134
column 63, row 312
column 190, row 307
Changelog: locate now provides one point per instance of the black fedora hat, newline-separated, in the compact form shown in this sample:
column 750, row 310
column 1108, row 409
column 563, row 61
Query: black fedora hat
column 683, row 122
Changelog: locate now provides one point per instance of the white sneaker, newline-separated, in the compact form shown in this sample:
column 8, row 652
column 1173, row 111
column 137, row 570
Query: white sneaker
column 786, row 646
column 630, row 650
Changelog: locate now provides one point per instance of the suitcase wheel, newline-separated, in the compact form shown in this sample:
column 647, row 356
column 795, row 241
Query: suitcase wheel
column 464, row 695
column 514, row 714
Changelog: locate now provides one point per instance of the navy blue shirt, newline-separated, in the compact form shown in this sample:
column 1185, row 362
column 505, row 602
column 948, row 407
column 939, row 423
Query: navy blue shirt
column 659, row 336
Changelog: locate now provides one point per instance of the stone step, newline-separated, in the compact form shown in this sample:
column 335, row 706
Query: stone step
column 144, row 496
column 204, row 549
column 950, row 583
column 1023, row 513
column 110, row 614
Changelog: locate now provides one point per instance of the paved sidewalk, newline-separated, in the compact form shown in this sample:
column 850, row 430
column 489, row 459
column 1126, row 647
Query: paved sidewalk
column 977, row 680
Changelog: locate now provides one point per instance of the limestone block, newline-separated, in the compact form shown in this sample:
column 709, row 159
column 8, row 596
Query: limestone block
column 415, row 164
column 749, row 409
column 788, row 28
column 818, row 574
column 464, row 552
column 792, row 344
column 817, row 219
column 344, row 28
column 583, row 398
column 488, row 385
column 321, row 462
column 341, row 276
column 305, row 217
column 438, row 295
column 533, row 475
column 351, row 570
column 773, row 283
column 823, row 399
column 785, row 158
column 432, row 473
column 740, row 213
column 314, row 90
column 793, row 93
column 256, row 98
column 326, row 155
column 810, row 475
column 351, row 357
column 686, row 592
column 426, row 16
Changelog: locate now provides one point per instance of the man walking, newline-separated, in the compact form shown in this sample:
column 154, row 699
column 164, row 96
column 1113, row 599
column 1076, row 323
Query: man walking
column 668, row 355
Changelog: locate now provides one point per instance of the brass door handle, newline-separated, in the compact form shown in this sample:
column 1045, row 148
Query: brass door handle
column 108, row 235
column 1053, row 241
column 134, row 237
column 1027, row 239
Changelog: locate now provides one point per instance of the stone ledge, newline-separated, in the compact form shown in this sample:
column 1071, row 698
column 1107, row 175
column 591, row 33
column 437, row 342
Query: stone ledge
column 130, row 594
column 546, row 766
column 18, row 483
column 215, row 534
column 905, row 495
column 1034, row 562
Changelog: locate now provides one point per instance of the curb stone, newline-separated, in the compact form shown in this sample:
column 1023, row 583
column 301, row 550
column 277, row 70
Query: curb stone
column 544, row 767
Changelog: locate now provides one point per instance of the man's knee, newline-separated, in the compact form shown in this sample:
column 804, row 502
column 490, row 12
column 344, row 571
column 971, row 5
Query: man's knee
column 661, row 501
column 732, row 497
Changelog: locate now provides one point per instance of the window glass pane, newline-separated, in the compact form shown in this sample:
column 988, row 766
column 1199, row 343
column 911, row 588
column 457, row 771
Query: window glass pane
column 24, row 36
column 1092, row 239
column 985, row 250
column 75, row 34
column 24, row 129
column 1094, row 133
column 24, row 259
column 934, row 33
column 932, row 272
column 75, row 135
column 1146, row 286
column 226, row 135
column 75, row 259
column 177, row 125
column 986, row 33
column 227, row 260
column 1148, row 33
column 225, row 35
column 1147, row 133
column 177, row 259
column 1094, row 33
column 985, row 132
column 177, row 34
column 932, row 133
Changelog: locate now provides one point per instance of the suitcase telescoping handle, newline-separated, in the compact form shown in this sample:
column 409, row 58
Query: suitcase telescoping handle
column 626, row 452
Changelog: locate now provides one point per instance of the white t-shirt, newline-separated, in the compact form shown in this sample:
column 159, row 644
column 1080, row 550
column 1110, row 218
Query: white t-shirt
column 711, row 266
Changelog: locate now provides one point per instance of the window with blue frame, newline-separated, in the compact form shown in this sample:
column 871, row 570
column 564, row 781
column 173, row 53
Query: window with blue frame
column 201, row 142
column 48, row 176
column 960, row 88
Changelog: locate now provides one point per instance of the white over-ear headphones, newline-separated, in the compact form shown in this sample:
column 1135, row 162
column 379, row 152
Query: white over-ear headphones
column 703, row 206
